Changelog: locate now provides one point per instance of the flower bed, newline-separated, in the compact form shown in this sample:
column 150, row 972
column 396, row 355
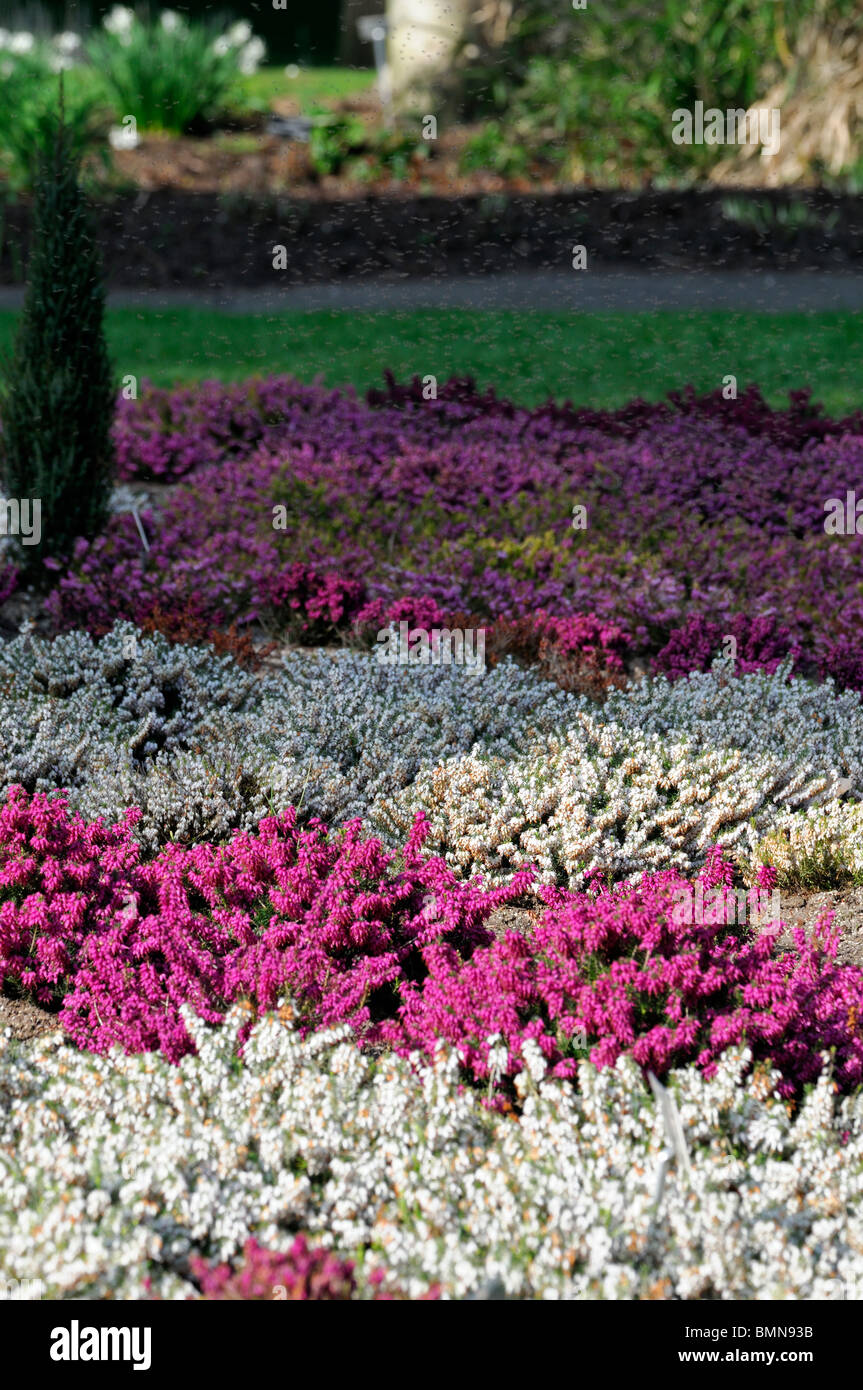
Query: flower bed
column 404, row 957
column 389, row 952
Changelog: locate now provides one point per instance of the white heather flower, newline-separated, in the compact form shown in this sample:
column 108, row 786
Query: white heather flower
column 509, row 772
column 21, row 42
column 534, row 1060
column 556, row 1204
column 171, row 21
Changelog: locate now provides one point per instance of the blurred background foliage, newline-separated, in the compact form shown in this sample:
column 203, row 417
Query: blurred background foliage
column 537, row 91
column 306, row 31
column 592, row 90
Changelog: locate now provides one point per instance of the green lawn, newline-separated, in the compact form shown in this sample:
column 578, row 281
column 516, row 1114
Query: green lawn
column 595, row 359
column 310, row 87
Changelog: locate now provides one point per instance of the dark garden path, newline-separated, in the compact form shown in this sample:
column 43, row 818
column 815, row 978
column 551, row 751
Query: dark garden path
column 600, row 291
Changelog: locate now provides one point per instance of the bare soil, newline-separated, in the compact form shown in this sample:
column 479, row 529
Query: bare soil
column 176, row 237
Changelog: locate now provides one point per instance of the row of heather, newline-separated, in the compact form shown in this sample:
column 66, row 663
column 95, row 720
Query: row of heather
column 401, row 951
column 325, row 518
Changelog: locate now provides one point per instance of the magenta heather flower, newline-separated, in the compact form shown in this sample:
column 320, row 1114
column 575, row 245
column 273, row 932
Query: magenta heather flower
column 301, row 1272
column 402, row 953
column 298, row 1273
column 760, row 645
column 620, row 972
column 313, row 605
column 122, row 945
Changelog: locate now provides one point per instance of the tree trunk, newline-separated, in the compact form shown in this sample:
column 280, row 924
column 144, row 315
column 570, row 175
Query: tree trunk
column 424, row 36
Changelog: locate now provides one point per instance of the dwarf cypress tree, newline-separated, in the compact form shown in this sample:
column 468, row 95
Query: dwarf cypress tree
column 57, row 394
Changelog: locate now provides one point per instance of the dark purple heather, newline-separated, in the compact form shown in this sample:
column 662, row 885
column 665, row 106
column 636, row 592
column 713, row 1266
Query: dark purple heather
column 696, row 509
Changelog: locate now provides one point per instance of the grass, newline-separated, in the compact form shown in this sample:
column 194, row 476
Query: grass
column 596, row 359
column 311, row 87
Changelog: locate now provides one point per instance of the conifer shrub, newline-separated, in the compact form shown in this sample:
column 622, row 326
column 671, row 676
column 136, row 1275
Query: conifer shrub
column 57, row 390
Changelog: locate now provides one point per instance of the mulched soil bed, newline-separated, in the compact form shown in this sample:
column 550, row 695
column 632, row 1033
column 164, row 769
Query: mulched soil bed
column 804, row 909
column 213, row 241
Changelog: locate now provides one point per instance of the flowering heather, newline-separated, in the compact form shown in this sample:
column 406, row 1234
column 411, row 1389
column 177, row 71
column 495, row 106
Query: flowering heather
column 615, row 973
column 759, row 644
column 124, row 944
column 509, row 770
column 696, row 509
column 299, row 1273
column 165, row 434
column 116, row 1171
column 383, row 955
column 803, row 421
column 313, row 605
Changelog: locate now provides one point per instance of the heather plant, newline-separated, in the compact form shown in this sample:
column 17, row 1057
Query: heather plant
column 403, row 954
column 299, row 1273
column 382, row 502
column 308, row 605
column 617, row 972
column 116, row 1171
column 580, row 653
column 509, row 770
column 57, row 393
column 842, row 663
column 802, row 422
column 756, row 645
column 203, row 749
column 648, row 780
column 816, row 848
column 121, row 945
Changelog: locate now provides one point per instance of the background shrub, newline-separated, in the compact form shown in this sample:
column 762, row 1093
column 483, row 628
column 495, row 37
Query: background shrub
column 29, row 107
column 171, row 75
